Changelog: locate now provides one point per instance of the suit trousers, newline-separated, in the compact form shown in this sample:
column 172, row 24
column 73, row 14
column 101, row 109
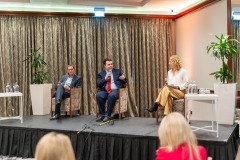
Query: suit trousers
column 111, row 98
column 166, row 96
column 60, row 95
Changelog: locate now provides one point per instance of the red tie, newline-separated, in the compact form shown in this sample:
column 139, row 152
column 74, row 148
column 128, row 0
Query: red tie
column 109, row 86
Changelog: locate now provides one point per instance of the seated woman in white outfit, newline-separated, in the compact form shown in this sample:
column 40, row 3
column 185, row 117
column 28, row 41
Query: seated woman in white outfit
column 176, row 88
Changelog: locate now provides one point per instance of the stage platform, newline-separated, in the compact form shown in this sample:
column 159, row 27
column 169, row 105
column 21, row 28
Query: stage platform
column 126, row 139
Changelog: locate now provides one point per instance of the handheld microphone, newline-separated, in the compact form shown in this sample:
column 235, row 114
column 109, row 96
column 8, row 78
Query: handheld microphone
column 109, row 72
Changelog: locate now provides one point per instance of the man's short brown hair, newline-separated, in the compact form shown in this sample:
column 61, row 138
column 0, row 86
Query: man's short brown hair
column 71, row 66
column 105, row 60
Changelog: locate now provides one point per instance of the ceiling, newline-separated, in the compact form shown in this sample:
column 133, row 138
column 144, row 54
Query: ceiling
column 156, row 7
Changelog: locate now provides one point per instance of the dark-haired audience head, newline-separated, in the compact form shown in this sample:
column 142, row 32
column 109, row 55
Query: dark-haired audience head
column 54, row 146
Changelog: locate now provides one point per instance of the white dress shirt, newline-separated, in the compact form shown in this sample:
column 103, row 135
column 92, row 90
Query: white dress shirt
column 113, row 85
column 68, row 81
column 178, row 78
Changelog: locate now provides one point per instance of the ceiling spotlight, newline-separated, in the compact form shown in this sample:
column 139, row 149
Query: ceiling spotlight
column 99, row 12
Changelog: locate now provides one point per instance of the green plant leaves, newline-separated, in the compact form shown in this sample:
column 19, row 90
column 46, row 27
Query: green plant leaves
column 37, row 64
column 223, row 50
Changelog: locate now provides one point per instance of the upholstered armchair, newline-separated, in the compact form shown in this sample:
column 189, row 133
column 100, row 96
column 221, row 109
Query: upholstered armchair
column 121, row 103
column 178, row 106
column 69, row 104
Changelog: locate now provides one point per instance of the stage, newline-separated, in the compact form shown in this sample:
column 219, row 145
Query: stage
column 126, row 139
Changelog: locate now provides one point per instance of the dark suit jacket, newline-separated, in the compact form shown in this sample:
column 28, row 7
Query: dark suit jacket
column 76, row 81
column 102, row 82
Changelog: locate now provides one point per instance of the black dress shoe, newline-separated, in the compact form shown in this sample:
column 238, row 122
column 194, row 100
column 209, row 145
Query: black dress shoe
column 100, row 118
column 56, row 116
column 153, row 108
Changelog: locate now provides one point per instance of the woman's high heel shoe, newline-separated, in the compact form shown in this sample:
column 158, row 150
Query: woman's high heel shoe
column 153, row 108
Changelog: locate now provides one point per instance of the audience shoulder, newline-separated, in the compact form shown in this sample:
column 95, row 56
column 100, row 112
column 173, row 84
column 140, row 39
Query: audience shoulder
column 202, row 152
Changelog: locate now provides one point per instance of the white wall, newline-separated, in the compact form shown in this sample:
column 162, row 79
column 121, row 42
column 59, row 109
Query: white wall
column 193, row 33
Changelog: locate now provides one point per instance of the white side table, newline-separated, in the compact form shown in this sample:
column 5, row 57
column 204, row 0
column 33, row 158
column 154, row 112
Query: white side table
column 203, row 97
column 14, row 94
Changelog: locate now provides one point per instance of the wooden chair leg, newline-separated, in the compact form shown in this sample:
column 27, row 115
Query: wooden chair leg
column 51, row 111
column 70, row 109
column 96, row 111
column 120, row 116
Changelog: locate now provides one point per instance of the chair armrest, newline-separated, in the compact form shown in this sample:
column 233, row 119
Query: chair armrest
column 122, row 93
column 53, row 90
column 75, row 92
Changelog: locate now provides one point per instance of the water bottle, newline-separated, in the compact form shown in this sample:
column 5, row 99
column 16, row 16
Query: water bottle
column 189, row 88
column 194, row 88
column 8, row 88
column 16, row 87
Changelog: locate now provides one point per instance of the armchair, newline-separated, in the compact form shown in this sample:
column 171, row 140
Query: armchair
column 121, row 103
column 178, row 106
column 69, row 104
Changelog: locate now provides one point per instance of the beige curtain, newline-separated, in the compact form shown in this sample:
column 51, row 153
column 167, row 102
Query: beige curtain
column 236, row 59
column 140, row 47
column 151, row 45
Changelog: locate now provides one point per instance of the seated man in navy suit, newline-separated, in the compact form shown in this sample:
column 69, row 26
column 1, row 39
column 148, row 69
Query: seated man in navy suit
column 71, row 80
column 108, row 82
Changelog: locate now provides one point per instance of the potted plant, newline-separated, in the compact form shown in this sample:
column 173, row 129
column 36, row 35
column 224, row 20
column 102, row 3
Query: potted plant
column 37, row 64
column 224, row 49
column 40, row 92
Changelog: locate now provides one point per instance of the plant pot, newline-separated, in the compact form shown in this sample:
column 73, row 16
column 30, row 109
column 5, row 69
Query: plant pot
column 41, row 98
column 226, row 103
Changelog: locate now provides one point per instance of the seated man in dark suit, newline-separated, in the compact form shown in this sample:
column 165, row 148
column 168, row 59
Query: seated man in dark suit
column 71, row 80
column 108, row 82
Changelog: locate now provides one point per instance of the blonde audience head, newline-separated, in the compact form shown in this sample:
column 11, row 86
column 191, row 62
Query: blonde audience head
column 174, row 131
column 54, row 146
column 175, row 60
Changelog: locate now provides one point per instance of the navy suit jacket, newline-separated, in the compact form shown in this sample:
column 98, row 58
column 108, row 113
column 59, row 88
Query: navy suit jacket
column 76, row 81
column 102, row 82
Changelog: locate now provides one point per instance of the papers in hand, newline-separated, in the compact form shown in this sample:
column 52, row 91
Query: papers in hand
column 172, row 85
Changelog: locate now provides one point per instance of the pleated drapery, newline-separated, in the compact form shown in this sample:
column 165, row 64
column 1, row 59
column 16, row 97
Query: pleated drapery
column 140, row 47
column 236, row 59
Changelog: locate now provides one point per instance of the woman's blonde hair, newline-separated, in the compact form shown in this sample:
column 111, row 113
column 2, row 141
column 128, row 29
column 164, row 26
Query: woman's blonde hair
column 54, row 146
column 175, row 60
column 174, row 131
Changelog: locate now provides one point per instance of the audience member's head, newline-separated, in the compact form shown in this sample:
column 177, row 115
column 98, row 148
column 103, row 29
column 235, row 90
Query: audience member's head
column 54, row 146
column 174, row 131
column 176, row 62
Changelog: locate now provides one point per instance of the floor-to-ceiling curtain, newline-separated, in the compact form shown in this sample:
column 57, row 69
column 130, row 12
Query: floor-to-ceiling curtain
column 151, row 44
column 140, row 47
column 236, row 59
